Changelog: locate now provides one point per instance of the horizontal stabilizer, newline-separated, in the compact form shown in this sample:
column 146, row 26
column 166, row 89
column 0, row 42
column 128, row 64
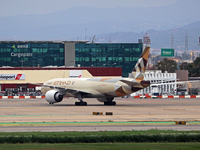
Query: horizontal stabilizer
column 142, row 84
column 131, row 83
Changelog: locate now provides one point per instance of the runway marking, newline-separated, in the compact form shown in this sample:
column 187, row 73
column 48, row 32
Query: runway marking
column 146, row 123
column 175, row 109
column 13, row 115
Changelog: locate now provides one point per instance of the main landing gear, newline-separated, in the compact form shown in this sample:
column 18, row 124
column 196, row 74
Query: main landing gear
column 81, row 103
column 109, row 101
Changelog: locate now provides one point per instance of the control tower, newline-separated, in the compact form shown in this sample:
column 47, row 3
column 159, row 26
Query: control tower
column 146, row 40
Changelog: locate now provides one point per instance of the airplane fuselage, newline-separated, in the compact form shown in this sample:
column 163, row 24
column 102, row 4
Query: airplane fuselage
column 98, row 87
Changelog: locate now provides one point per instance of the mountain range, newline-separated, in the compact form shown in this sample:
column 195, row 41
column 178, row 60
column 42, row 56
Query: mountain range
column 110, row 25
column 183, row 38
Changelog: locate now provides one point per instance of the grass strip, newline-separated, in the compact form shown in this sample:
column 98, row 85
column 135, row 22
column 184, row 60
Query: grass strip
column 98, row 133
column 105, row 146
column 101, row 138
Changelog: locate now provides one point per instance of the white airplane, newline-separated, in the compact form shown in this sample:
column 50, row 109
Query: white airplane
column 104, row 89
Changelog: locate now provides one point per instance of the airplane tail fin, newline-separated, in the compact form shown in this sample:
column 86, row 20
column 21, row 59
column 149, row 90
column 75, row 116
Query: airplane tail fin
column 140, row 67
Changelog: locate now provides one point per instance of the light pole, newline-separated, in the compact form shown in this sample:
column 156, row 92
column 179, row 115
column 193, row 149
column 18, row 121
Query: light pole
column 85, row 33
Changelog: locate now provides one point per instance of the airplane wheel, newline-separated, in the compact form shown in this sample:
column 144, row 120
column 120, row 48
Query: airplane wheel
column 85, row 103
column 109, row 103
column 105, row 103
column 81, row 103
column 114, row 103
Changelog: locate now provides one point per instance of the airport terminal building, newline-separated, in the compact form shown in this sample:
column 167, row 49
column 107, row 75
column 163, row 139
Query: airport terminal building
column 70, row 54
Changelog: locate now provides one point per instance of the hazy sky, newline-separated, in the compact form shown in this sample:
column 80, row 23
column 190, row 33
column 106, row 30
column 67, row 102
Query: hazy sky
column 23, row 7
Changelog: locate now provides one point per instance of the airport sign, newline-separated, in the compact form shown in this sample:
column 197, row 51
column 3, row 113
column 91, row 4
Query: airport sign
column 12, row 76
column 75, row 73
column 167, row 52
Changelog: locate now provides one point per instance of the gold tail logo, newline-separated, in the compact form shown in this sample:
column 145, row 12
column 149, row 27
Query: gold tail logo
column 140, row 67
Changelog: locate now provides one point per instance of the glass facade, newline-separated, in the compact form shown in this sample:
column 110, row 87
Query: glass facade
column 47, row 53
column 31, row 54
column 123, row 55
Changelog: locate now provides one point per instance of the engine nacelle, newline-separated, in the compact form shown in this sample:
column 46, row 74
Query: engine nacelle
column 53, row 96
column 105, row 99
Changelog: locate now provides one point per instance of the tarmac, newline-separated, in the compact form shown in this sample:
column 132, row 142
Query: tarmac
column 25, row 115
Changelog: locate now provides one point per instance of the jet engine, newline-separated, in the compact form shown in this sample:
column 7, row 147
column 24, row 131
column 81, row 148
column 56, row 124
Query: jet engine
column 53, row 96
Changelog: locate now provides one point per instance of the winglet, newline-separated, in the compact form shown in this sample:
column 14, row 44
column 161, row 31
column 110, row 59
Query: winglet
column 140, row 67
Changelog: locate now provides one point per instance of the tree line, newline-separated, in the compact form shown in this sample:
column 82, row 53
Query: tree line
column 170, row 66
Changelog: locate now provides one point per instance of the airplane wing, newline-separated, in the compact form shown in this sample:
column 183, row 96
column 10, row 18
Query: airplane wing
column 64, row 91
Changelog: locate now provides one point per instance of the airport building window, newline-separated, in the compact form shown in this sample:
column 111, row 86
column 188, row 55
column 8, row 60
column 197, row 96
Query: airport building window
column 31, row 54
column 123, row 55
column 47, row 53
